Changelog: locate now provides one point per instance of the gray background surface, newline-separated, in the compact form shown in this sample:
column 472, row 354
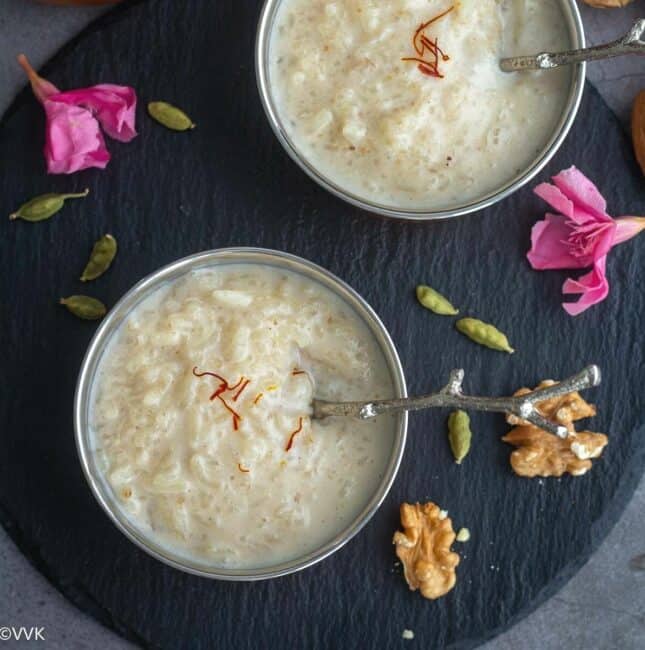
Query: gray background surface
column 602, row 607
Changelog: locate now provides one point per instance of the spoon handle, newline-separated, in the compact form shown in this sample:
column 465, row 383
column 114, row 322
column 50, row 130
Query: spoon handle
column 631, row 43
column 524, row 406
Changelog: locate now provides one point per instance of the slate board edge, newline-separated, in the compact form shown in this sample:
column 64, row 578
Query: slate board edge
column 77, row 595
column 101, row 23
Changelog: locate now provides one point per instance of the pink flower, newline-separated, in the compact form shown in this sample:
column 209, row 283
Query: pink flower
column 579, row 236
column 73, row 137
column 73, row 140
column 113, row 106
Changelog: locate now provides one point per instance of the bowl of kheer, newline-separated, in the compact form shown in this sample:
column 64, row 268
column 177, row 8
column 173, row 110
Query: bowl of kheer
column 193, row 414
column 401, row 107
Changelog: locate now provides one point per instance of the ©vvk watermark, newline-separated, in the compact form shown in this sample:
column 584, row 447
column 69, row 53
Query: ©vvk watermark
column 22, row 633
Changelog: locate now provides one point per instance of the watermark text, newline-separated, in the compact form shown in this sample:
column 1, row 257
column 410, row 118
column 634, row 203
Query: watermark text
column 22, row 633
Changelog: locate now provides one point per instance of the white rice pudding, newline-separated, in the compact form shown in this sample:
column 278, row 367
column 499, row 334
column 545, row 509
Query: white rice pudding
column 267, row 484
column 390, row 131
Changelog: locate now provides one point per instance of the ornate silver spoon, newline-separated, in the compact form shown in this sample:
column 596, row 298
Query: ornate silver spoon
column 631, row 43
column 451, row 396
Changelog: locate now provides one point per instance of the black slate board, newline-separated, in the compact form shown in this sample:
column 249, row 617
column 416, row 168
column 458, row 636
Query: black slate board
column 228, row 183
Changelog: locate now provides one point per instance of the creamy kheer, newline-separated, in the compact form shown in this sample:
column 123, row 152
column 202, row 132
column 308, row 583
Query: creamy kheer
column 403, row 103
column 201, row 416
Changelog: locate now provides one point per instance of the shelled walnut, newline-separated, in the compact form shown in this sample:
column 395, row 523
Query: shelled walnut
column 564, row 410
column 540, row 453
column 424, row 549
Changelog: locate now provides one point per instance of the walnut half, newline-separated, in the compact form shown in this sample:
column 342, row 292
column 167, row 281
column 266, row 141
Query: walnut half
column 540, row 453
column 424, row 549
column 565, row 409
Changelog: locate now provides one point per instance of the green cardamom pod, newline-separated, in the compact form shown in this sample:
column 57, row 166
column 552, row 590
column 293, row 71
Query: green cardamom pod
column 170, row 116
column 459, row 434
column 434, row 301
column 84, row 307
column 484, row 334
column 100, row 258
column 44, row 206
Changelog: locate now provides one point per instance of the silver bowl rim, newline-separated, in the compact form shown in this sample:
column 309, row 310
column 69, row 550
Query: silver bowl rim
column 143, row 288
column 560, row 132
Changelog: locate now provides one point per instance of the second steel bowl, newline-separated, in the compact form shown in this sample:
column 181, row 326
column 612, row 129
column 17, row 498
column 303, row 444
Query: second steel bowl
column 266, row 23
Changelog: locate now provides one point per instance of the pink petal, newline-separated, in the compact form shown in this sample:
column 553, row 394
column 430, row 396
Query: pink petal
column 583, row 193
column 549, row 246
column 593, row 286
column 114, row 107
column 554, row 197
column 627, row 227
column 73, row 139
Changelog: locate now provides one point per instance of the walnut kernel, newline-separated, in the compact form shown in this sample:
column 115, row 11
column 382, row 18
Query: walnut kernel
column 540, row 453
column 424, row 549
column 564, row 410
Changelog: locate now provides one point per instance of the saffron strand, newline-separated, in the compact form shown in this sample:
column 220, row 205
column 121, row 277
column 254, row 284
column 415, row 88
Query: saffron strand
column 428, row 51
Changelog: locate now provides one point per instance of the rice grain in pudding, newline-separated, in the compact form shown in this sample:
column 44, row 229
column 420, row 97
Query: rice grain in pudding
column 200, row 416
column 432, row 133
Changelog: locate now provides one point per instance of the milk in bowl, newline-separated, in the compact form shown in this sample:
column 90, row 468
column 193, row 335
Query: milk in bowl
column 200, row 416
column 402, row 104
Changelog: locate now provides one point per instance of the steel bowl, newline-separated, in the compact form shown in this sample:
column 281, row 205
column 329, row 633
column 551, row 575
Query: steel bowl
column 262, row 44
column 82, row 404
